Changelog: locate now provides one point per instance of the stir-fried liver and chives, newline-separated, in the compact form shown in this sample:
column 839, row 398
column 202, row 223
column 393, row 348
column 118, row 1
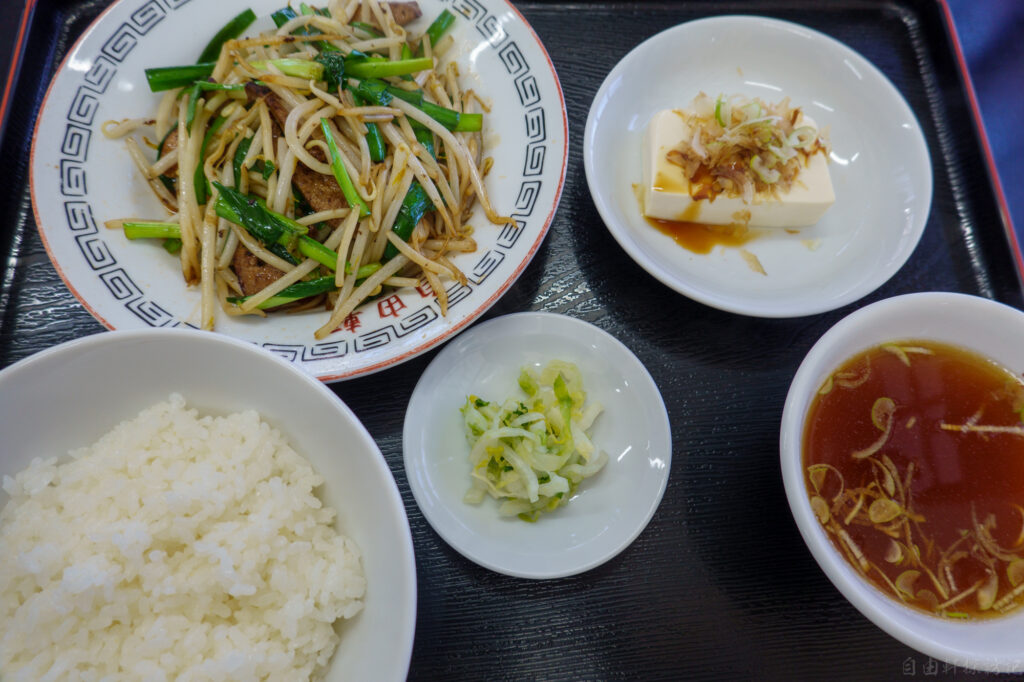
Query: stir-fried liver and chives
column 316, row 164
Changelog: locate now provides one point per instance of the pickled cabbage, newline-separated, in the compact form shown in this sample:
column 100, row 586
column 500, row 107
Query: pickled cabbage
column 532, row 451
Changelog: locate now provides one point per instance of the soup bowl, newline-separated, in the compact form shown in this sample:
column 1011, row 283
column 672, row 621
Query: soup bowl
column 68, row 396
column 990, row 329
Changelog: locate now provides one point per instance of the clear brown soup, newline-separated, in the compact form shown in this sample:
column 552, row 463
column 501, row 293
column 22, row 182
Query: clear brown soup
column 914, row 462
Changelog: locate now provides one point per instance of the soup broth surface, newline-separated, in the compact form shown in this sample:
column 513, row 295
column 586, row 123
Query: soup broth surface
column 914, row 462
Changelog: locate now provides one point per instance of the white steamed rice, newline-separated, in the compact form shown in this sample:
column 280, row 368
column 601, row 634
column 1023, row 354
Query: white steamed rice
column 175, row 548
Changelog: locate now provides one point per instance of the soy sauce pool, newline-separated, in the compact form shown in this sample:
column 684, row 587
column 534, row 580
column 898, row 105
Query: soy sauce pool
column 700, row 238
column 914, row 461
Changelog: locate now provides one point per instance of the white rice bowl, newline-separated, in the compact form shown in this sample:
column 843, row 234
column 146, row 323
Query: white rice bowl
column 225, row 562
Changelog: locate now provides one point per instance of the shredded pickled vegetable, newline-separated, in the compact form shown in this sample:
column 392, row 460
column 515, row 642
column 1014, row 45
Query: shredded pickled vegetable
column 738, row 146
column 532, row 452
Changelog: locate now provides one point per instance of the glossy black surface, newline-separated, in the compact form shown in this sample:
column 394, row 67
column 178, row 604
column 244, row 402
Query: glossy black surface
column 719, row 585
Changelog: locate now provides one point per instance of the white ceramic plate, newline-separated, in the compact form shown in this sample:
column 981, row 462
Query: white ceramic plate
column 607, row 512
column 990, row 329
column 880, row 167
column 107, row 378
column 80, row 179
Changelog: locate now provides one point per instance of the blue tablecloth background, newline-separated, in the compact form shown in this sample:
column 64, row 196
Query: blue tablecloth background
column 992, row 36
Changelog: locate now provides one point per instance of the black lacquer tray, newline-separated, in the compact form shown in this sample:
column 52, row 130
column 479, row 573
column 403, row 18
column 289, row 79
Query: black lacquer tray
column 719, row 585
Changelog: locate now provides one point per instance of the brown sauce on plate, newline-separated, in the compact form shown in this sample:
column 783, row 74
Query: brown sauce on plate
column 701, row 238
column 695, row 236
column 934, row 515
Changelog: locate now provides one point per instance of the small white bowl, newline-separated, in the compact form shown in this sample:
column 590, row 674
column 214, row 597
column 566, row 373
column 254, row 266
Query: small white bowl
column 879, row 163
column 68, row 396
column 984, row 326
column 607, row 512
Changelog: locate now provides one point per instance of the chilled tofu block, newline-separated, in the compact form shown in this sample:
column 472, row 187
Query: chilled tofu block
column 666, row 189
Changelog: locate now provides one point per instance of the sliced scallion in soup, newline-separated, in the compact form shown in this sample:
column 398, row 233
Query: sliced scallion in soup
column 913, row 457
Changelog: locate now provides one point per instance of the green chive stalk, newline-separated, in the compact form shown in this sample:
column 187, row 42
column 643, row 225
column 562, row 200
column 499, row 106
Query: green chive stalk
column 340, row 174
column 230, row 31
